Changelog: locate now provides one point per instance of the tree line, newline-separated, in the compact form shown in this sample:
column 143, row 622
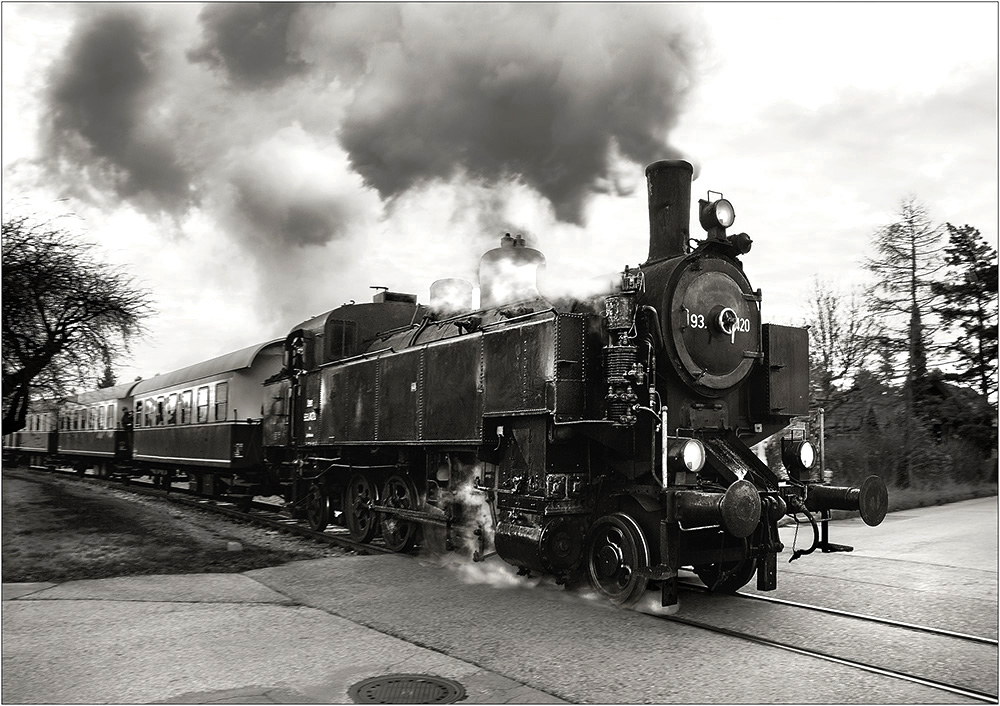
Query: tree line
column 905, row 369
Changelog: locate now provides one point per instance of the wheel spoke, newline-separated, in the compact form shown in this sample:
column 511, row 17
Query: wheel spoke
column 358, row 502
column 399, row 534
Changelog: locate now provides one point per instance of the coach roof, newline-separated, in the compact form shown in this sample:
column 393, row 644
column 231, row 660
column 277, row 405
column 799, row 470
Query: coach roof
column 229, row 362
column 108, row 393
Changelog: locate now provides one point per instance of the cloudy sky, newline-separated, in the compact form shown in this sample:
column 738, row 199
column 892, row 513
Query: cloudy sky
column 258, row 165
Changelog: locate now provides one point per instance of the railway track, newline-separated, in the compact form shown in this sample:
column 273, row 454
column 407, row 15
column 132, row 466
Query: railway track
column 860, row 616
column 263, row 514
column 933, row 673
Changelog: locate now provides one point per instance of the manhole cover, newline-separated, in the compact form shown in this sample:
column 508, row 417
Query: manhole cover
column 407, row 689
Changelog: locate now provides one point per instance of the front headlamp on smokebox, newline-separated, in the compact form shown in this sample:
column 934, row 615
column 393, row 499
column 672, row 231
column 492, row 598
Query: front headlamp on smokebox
column 716, row 214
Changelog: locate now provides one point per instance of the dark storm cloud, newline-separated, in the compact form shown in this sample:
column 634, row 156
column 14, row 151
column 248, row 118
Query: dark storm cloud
column 249, row 41
column 100, row 94
column 541, row 93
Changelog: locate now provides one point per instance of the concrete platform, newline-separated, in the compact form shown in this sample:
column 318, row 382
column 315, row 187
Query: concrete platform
column 206, row 638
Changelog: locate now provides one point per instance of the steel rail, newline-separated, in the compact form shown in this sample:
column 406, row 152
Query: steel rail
column 974, row 694
column 942, row 632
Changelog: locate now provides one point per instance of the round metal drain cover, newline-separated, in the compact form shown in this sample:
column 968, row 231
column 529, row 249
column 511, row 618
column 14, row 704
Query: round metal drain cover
column 407, row 689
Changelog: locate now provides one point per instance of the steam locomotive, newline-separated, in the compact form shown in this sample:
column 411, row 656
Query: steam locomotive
column 605, row 436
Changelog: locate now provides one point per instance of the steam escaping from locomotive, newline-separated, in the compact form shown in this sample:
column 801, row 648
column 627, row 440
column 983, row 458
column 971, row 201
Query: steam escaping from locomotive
column 451, row 296
column 509, row 273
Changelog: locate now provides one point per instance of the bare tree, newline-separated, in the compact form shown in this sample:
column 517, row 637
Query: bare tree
column 840, row 330
column 64, row 314
column 908, row 256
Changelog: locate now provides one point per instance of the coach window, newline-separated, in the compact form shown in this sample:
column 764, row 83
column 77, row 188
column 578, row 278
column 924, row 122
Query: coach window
column 172, row 409
column 137, row 419
column 159, row 412
column 202, row 404
column 100, row 417
column 150, row 412
column 110, row 419
column 221, row 401
column 186, row 407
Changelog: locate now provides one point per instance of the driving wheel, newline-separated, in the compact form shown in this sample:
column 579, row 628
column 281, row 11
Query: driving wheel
column 359, row 499
column 318, row 507
column 617, row 557
column 399, row 534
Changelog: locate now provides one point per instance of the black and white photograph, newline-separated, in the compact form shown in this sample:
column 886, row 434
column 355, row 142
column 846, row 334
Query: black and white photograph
column 500, row 352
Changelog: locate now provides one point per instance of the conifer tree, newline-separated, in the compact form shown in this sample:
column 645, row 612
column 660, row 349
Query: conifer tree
column 967, row 306
column 906, row 263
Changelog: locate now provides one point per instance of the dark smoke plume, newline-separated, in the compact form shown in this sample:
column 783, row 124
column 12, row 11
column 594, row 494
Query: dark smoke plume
column 249, row 41
column 538, row 92
column 101, row 97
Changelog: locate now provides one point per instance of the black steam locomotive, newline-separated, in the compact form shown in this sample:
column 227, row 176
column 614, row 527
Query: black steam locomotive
column 608, row 436
column 605, row 437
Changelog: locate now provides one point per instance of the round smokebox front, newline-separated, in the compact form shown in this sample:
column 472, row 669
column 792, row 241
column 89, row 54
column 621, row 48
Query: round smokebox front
column 714, row 324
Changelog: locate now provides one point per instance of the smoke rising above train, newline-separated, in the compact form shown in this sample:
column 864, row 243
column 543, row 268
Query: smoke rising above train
column 306, row 126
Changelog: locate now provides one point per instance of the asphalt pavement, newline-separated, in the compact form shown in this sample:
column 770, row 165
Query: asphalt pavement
column 308, row 631
column 206, row 638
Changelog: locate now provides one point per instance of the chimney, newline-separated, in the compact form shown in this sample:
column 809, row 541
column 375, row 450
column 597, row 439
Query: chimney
column 669, row 185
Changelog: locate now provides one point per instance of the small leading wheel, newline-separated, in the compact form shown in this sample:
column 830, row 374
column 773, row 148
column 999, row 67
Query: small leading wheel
column 617, row 557
column 399, row 534
column 359, row 499
column 728, row 577
column 318, row 507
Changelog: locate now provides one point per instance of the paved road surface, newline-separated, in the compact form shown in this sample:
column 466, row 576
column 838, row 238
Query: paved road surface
column 306, row 631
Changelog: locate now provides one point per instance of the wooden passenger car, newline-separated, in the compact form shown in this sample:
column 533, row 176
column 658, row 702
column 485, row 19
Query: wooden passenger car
column 37, row 442
column 205, row 420
column 95, row 429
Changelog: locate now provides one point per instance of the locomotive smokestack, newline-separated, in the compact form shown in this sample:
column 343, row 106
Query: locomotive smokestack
column 669, row 184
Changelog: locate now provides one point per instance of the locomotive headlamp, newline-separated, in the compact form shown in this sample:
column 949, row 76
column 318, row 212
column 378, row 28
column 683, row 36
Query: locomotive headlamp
column 717, row 214
column 687, row 454
column 797, row 455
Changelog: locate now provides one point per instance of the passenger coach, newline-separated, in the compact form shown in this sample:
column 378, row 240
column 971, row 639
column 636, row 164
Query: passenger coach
column 95, row 429
column 204, row 420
